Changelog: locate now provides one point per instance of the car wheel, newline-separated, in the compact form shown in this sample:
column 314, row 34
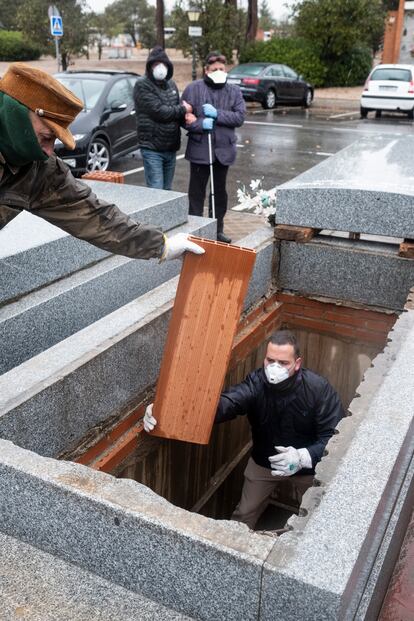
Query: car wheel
column 378, row 114
column 363, row 112
column 269, row 100
column 410, row 114
column 308, row 98
column 99, row 155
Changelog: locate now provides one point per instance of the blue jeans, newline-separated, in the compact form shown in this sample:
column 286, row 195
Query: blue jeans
column 159, row 167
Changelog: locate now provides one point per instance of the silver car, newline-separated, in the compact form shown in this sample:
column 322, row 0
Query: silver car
column 389, row 87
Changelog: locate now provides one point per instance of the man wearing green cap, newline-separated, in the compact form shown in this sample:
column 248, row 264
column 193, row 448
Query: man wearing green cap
column 35, row 109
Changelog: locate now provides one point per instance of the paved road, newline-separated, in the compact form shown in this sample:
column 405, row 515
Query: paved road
column 280, row 145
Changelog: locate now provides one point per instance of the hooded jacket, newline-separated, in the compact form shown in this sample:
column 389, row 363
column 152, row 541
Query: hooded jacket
column 304, row 414
column 158, row 109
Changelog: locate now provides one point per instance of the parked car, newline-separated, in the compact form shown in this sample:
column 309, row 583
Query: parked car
column 389, row 87
column 106, row 127
column 271, row 84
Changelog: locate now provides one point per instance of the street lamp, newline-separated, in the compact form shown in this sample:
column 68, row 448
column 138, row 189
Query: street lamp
column 193, row 15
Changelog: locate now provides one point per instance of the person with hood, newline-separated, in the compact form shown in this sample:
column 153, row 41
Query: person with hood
column 292, row 412
column 35, row 109
column 218, row 107
column 159, row 115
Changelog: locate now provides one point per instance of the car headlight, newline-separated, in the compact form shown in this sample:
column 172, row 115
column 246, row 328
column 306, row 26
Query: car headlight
column 78, row 136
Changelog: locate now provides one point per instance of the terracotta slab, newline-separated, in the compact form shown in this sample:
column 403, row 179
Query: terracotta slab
column 204, row 322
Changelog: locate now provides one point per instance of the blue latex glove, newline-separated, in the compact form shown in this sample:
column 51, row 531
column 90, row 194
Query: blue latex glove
column 208, row 124
column 209, row 110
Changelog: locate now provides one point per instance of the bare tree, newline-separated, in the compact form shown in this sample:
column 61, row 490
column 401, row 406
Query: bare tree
column 251, row 20
column 159, row 22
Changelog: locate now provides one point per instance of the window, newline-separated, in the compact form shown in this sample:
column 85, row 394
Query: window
column 87, row 90
column 247, row 70
column 400, row 75
column 289, row 73
column 120, row 93
column 277, row 72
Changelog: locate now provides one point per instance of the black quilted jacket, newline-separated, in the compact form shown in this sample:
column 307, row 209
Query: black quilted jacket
column 158, row 111
column 304, row 415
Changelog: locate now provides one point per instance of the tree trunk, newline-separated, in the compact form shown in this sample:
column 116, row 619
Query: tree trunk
column 251, row 20
column 159, row 22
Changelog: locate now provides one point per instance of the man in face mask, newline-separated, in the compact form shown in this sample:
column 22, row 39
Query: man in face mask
column 292, row 412
column 219, row 108
column 159, row 115
column 35, row 109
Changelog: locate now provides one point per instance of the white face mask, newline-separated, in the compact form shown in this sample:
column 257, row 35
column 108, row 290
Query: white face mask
column 218, row 76
column 160, row 72
column 276, row 373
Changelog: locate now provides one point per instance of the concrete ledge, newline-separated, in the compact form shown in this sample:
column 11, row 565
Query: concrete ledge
column 367, row 187
column 363, row 272
column 204, row 568
column 34, row 253
column 42, row 318
column 50, row 401
column 38, row 586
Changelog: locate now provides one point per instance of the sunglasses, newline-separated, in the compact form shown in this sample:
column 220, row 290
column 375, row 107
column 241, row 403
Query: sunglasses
column 216, row 59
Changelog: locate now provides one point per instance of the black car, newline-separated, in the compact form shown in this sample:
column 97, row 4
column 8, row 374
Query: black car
column 271, row 84
column 106, row 128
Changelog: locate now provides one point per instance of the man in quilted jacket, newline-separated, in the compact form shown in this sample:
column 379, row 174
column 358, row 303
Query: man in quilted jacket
column 159, row 115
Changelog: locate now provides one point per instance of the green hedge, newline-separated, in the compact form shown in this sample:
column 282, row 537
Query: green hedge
column 13, row 47
column 292, row 51
column 351, row 69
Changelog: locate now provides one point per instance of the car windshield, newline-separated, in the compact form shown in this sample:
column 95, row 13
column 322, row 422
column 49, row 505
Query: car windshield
column 87, row 89
column 400, row 75
column 247, row 69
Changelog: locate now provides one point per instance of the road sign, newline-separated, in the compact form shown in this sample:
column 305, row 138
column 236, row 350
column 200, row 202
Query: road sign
column 195, row 31
column 56, row 26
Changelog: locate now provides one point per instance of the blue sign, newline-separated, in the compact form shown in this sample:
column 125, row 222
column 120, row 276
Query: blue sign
column 56, row 26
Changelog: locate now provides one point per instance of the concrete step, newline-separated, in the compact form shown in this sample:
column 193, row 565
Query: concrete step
column 34, row 253
column 44, row 317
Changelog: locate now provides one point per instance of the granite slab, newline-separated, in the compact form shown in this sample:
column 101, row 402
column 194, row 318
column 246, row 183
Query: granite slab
column 34, row 253
column 41, row 587
column 367, row 187
column 44, row 317
column 363, row 272
column 123, row 532
column 50, row 401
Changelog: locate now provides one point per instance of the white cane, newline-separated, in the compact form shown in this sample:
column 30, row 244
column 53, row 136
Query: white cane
column 210, row 157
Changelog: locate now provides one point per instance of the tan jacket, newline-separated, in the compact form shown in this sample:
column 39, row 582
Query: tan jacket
column 49, row 190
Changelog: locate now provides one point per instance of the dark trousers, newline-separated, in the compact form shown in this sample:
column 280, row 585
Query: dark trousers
column 199, row 175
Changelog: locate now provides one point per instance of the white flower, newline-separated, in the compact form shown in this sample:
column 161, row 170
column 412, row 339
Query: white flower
column 255, row 184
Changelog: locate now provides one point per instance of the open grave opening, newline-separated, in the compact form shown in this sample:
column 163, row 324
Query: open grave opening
column 337, row 341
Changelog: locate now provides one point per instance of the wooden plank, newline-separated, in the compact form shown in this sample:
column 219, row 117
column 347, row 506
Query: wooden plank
column 407, row 249
column 299, row 234
column 220, row 476
column 203, row 325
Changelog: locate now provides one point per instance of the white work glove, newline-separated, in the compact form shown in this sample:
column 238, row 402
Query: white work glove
column 176, row 245
column 289, row 460
column 149, row 420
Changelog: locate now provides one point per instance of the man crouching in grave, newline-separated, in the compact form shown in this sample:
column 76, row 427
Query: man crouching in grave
column 292, row 412
column 35, row 109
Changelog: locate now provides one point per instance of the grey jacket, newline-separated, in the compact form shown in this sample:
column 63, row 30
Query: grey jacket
column 49, row 190
column 231, row 112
